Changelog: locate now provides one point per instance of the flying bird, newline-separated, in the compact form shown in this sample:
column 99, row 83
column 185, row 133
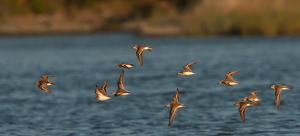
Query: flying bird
column 187, row 70
column 120, row 83
column 125, row 65
column 242, row 109
column 101, row 92
column 140, row 50
column 229, row 80
column 44, row 82
column 252, row 97
column 278, row 90
column 174, row 105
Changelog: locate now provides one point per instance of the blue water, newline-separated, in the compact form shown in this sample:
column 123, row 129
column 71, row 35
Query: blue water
column 79, row 62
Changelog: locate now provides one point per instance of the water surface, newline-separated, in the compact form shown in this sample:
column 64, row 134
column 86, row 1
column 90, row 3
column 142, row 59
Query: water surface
column 79, row 62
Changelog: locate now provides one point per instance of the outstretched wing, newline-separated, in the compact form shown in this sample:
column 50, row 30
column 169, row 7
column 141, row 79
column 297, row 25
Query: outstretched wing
column 43, row 87
column 186, row 68
column 103, row 88
column 172, row 114
column 139, row 55
column 228, row 75
column 278, row 92
column 253, row 93
column 242, row 111
column 176, row 96
column 97, row 90
column 45, row 77
column 120, row 82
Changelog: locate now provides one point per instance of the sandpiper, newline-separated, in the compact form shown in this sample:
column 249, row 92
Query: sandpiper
column 242, row 109
column 229, row 80
column 187, row 70
column 278, row 90
column 252, row 97
column 120, row 83
column 125, row 65
column 174, row 105
column 44, row 82
column 140, row 50
column 101, row 93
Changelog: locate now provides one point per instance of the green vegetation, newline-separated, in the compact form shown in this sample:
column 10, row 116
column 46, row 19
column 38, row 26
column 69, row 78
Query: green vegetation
column 189, row 17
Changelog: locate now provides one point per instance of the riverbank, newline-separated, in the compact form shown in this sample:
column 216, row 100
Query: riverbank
column 160, row 18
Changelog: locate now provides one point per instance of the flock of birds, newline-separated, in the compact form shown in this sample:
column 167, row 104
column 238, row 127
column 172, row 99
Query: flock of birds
column 175, row 104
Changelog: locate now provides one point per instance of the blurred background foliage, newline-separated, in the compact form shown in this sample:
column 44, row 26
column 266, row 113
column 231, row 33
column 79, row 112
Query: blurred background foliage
column 167, row 17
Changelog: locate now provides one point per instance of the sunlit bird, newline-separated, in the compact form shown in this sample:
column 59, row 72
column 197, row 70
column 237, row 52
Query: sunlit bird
column 101, row 92
column 125, row 65
column 252, row 97
column 120, row 83
column 278, row 90
column 140, row 50
column 229, row 80
column 187, row 70
column 44, row 82
column 242, row 109
column 174, row 105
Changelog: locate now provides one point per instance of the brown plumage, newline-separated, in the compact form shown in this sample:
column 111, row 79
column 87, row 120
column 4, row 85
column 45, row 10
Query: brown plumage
column 187, row 70
column 125, row 65
column 101, row 93
column 140, row 50
column 229, row 80
column 242, row 109
column 252, row 97
column 44, row 82
column 120, row 83
column 174, row 105
column 278, row 90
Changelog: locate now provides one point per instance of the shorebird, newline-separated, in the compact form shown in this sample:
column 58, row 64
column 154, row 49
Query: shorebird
column 278, row 90
column 242, row 109
column 174, row 105
column 252, row 97
column 125, row 65
column 120, row 83
column 140, row 50
column 101, row 93
column 229, row 80
column 187, row 70
column 44, row 82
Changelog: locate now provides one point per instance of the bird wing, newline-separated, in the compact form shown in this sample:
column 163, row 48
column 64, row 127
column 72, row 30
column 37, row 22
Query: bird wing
column 186, row 67
column 172, row 114
column 253, row 93
column 278, row 92
column 176, row 96
column 45, row 77
column 242, row 111
column 42, row 86
column 139, row 55
column 103, row 88
column 97, row 90
column 120, row 82
column 228, row 75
